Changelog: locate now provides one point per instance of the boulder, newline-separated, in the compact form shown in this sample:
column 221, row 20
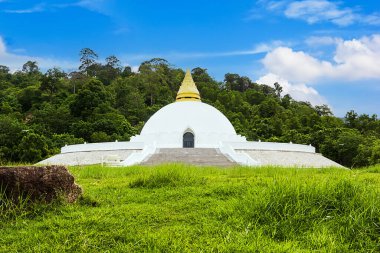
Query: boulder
column 44, row 183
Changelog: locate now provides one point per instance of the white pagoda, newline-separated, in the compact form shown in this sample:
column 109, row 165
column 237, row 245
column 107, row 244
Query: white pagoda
column 190, row 131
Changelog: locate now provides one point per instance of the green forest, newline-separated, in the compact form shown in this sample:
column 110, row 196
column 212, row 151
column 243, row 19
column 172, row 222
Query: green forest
column 104, row 101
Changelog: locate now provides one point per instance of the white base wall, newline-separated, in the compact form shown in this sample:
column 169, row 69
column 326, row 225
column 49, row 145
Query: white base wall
column 140, row 148
column 102, row 146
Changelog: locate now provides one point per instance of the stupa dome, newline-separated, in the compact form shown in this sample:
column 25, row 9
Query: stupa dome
column 207, row 125
column 197, row 117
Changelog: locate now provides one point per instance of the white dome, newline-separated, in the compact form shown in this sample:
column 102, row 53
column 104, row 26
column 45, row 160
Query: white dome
column 180, row 116
column 167, row 126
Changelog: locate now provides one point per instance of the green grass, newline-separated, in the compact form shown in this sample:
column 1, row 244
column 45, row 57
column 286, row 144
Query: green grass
column 179, row 208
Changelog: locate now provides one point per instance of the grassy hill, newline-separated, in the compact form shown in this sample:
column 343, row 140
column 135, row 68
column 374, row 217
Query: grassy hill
column 179, row 208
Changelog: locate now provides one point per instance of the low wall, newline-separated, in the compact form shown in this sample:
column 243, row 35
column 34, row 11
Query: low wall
column 102, row 146
column 253, row 145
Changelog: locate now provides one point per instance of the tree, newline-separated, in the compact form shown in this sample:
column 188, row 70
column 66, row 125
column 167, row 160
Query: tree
column 100, row 137
column 113, row 62
column 108, row 72
column 4, row 70
column 154, row 76
column 236, row 82
column 77, row 79
column 33, row 148
column 52, row 80
column 323, row 110
column 198, row 72
column 268, row 108
column 278, row 89
column 254, row 97
column 129, row 101
column 5, row 77
column 342, row 145
column 88, row 60
column 375, row 154
column 28, row 97
column 286, row 101
column 127, row 71
column 153, row 65
column 47, row 114
column 9, row 104
column 30, row 68
column 267, row 90
column 351, row 119
column 92, row 95
column 82, row 129
column 60, row 140
column 11, row 132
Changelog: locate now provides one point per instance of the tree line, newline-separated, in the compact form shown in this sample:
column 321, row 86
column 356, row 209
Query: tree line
column 41, row 112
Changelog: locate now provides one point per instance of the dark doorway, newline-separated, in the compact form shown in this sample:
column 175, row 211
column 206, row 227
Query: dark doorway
column 188, row 140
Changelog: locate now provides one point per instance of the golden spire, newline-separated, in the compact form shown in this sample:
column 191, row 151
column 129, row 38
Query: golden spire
column 188, row 91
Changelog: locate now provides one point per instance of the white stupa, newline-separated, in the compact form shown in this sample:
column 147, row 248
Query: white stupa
column 190, row 131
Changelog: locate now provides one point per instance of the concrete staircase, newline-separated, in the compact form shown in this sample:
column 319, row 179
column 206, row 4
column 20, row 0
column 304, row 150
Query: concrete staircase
column 196, row 156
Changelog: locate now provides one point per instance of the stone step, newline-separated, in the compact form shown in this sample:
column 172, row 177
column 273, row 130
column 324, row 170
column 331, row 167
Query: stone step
column 196, row 156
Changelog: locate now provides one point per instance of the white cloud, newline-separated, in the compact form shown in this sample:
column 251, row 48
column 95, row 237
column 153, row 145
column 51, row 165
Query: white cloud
column 37, row 8
column 99, row 6
column 299, row 92
column 313, row 11
column 135, row 69
column 295, row 66
column 372, row 19
column 15, row 61
column 355, row 59
column 322, row 41
column 257, row 49
column 317, row 11
column 275, row 5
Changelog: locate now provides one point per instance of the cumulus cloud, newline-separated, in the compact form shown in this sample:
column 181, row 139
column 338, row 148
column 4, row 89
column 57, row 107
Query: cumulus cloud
column 15, row 61
column 355, row 59
column 295, row 66
column 300, row 92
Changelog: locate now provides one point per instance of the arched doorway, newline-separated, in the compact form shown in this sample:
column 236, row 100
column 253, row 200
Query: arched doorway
column 188, row 140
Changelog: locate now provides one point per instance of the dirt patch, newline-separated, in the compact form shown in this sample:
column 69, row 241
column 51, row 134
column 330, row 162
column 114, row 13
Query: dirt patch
column 44, row 183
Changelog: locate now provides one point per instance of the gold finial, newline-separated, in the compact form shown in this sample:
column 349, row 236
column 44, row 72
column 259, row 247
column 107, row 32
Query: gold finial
column 188, row 91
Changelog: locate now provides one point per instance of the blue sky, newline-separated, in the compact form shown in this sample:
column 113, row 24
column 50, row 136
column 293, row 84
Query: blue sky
column 322, row 51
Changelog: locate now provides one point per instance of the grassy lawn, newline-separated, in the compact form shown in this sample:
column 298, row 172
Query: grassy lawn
column 180, row 208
